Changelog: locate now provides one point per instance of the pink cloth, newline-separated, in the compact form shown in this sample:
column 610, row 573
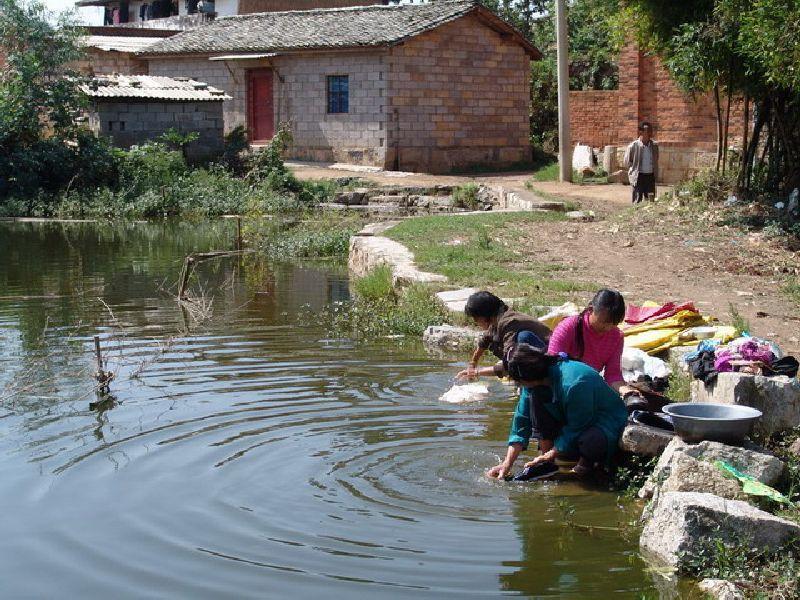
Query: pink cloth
column 750, row 350
column 602, row 352
column 640, row 314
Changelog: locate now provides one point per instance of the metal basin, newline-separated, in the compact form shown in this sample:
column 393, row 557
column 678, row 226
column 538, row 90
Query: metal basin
column 695, row 422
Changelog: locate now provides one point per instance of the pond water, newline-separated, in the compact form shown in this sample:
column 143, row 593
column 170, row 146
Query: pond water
column 246, row 454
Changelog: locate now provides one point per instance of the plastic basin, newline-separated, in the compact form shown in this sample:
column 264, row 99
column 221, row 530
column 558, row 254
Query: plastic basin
column 728, row 423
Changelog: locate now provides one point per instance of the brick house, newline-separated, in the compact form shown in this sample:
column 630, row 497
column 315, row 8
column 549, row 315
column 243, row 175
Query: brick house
column 112, row 50
column 134, row 109
column 431, row 87
column 685, row 126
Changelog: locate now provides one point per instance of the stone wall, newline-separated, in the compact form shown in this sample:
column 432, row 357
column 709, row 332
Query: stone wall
column 130, row 122
column 677, row 163
column 356, row 137
column 215, row 74
column 109, row 62
column 459, row 97
column 647, row 93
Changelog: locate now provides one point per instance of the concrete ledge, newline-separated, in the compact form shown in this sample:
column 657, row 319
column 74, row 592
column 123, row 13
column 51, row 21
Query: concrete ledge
column 369, row 251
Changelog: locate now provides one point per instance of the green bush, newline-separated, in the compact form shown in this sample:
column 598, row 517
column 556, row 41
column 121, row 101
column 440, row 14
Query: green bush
column 233, row 153
column 48, row 166
column 408, row 311
column 709, row 186
column 466, row 196
column 376, row 285
column 149, row 167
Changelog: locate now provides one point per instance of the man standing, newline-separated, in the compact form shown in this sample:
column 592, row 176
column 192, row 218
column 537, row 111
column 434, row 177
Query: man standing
column 641, row 158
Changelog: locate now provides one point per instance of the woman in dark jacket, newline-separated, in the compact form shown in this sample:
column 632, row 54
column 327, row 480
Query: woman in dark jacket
column 585, row 417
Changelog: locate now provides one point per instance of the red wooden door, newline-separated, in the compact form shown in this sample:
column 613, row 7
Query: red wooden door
column 260, row 112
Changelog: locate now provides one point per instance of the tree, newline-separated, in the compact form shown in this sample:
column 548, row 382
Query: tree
column 42, row 146
column 37, row 92
column 747, row 49
column 593, row 54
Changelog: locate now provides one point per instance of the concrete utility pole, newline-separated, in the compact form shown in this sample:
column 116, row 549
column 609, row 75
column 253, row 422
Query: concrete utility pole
column 562, row 42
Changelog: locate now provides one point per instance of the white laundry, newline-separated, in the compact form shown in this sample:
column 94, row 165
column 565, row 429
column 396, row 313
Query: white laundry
column 636, row 363
column 460, row 394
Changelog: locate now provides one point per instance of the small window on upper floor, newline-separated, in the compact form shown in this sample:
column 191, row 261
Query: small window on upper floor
column 338, row 94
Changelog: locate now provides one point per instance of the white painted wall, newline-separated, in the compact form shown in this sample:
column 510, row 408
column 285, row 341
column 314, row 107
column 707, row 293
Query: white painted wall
column 226, row 8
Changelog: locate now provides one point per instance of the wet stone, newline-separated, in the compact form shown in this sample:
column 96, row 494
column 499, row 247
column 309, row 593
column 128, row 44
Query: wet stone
column 682, row 523
column 719, row 589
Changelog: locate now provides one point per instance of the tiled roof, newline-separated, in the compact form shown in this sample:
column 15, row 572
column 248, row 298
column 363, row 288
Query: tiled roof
column 118, row 43
column 367, row 26
column 151, row 88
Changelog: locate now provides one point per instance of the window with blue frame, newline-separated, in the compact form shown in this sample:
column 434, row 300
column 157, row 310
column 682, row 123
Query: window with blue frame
column 338, row 94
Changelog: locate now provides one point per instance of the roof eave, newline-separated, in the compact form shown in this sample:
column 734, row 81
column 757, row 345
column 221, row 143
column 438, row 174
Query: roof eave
column 506, row 28
column 277, row 51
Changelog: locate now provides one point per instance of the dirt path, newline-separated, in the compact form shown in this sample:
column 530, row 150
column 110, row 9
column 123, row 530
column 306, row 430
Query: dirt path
column 656, row 252
column 650, row 254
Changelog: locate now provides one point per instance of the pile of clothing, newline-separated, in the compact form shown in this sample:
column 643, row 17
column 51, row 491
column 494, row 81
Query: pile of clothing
column 655, row 328
column 744, row 355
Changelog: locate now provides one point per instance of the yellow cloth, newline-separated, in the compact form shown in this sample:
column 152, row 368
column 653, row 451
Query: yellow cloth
column 657, row 336
column 682, row 319
column 656, row 341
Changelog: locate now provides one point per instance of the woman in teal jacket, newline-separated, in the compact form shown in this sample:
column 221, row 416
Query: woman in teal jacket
column 585, row 416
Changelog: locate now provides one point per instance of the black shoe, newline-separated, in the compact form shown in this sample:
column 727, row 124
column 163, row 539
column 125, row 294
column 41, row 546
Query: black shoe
column 541, row 470
column 653, row 419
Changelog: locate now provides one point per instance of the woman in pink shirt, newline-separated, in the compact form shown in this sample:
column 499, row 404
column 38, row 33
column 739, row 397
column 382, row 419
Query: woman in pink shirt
column 594, row 337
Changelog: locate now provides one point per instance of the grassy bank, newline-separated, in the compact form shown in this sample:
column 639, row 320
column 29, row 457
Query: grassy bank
column 488, row 251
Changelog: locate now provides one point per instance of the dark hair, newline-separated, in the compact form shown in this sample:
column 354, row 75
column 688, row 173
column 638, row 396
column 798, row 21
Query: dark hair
column 485, row 305
column 645, row 125
column 529, row 363
column 608, row 301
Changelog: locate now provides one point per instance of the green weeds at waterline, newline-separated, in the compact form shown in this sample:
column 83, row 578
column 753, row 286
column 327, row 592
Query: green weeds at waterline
column 154, row 180
column 377, row 285
column 405, row 312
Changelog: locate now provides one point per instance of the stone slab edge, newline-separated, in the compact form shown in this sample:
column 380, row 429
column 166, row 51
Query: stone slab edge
column 369, row 250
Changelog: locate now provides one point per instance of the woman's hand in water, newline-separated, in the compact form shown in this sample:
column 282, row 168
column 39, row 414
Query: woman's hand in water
column 548, row 456
column 469, row 373
column 501, row 471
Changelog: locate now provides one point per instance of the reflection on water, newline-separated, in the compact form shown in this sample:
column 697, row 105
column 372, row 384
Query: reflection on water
column 248, row 455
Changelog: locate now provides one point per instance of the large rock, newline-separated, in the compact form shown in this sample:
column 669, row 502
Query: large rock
column 681, row 523
column 751, row 460
column 352, row 198
column 456, row 300
column 644, row 440
column 620, row 176
column 777, row 397
column 688, row 474
column 450, row 336
column 580, row 215
column 720, row 589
